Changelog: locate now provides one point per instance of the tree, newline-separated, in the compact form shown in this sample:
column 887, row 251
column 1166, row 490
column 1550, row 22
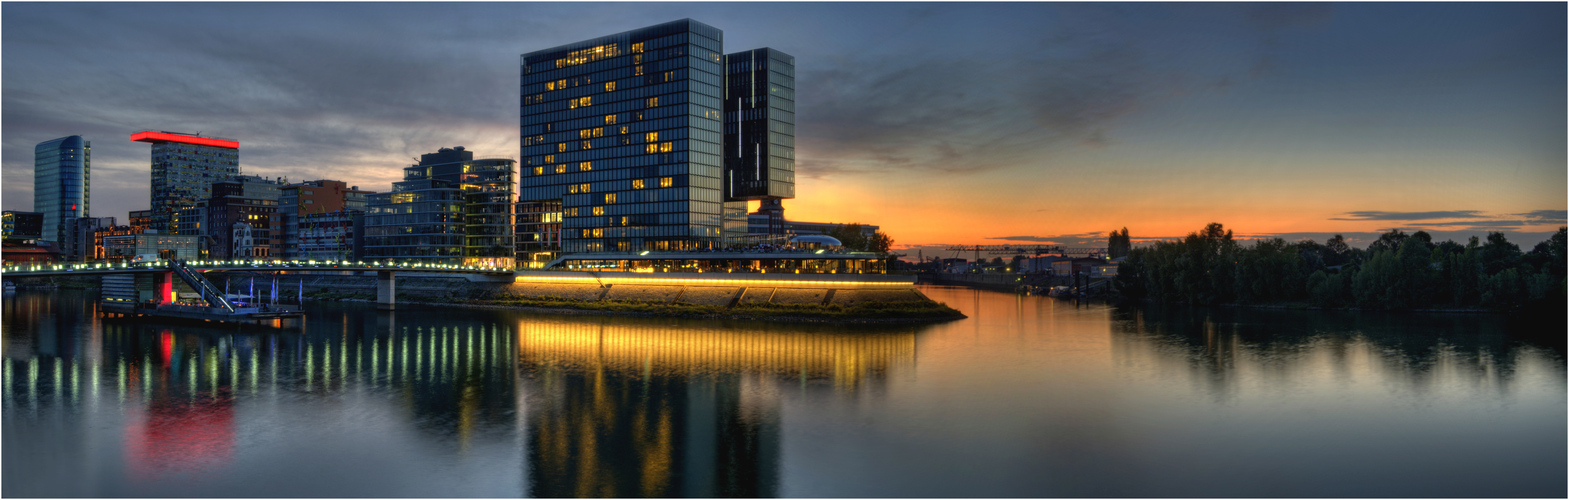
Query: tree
column 1118, row 244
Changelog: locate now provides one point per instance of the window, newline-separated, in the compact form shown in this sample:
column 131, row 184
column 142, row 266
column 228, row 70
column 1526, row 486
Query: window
column 651, row 137
column 664, row 147
column 610, row 119
column 586, row 145
column 585, row 187
column 637, row 71
column 585, row 166
column 665, row 182
column 571, row 212
column 539, row 170
column 610, row 86
column 637, row 183
column 599, row 210
column 652, row 102
column 572, row 188
column 561, row 169
column 623, row 129
column 550, row 158
column 561, row 148
column 637, row 48
column 610, row 198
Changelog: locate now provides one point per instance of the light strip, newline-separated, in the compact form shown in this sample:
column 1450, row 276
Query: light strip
column 703, row 281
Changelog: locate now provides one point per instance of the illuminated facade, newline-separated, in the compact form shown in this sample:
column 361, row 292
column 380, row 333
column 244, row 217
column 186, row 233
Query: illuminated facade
column 449, row 209
column 79, row 243
column 61, row 169
column 184, row 167
column 624, row 132
column 23, row 226
column 759, row 132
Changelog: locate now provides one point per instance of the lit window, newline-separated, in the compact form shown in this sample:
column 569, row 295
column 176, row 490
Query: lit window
column 571, row 212
column 599, row 210
column 610, row 119
column 561, row 169
column 651, row 137
column 583, row 134
column 599, row 131
column 539, row 170
column 637, row 70
column 550, row 158
column 623, row 129
column 585, row 166
column 599, row 233
column 610, row 86
column 572, row 188
column 664, row 147
column 637, row 47
column 561, row 148
column 637, row 183
column 666, row 182
column 610, row 198
column 651, row 148
column 653, row 102
column 586, row 145
column 585, row 187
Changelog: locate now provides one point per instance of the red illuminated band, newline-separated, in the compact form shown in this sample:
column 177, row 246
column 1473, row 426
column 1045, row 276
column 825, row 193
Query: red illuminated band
column 157, row 137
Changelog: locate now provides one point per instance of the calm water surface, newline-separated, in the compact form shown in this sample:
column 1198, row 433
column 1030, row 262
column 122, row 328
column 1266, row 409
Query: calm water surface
column 1028, row 397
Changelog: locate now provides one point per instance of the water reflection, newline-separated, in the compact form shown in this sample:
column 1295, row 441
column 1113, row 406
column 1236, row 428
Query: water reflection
column 1219, row 349
column 625, row 408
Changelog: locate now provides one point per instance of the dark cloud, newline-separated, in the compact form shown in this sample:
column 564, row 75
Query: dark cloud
column 1407, row 216
column 1545, row 216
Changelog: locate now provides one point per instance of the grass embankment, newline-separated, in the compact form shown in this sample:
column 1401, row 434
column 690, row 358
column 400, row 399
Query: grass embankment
column 927, row 310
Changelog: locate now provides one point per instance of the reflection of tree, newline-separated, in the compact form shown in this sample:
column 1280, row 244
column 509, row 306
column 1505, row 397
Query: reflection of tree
column 1215, row 341
column 630, row 409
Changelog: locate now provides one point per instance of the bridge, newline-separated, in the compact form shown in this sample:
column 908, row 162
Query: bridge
column 190, row 272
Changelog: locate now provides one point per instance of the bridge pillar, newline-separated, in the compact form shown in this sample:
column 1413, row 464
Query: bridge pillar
column 386, row 290
column 163, row 287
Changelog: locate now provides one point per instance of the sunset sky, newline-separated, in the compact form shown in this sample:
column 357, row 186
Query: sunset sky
column 945, row 124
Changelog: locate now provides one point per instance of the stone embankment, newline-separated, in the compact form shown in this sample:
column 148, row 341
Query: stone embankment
column 769, row 299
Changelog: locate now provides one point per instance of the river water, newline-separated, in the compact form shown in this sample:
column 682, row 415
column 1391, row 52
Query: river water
column 1029, row 396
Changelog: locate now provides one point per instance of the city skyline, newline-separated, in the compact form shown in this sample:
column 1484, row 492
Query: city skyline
column 945, row 124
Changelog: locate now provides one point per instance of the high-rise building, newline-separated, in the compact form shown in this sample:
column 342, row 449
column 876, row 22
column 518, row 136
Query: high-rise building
column 184, row 168
column 759, row 133
column 61, row 169
column 624, row 133
column 450, row 208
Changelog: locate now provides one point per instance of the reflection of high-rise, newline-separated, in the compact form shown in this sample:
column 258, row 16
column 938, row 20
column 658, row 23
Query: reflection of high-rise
column 180, row 387
column 629, row 409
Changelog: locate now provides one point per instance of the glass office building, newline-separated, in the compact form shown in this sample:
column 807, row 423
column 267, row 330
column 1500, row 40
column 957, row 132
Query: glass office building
column 61, row 169
column 759, row 125
column 624, row 134
column 449, row 209
column 184, row 167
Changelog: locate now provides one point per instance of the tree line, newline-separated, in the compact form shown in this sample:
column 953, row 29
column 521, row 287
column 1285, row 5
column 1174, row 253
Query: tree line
column 1398, row 271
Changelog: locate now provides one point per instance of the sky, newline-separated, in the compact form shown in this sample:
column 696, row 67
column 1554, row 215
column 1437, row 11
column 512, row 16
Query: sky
column 943, row 123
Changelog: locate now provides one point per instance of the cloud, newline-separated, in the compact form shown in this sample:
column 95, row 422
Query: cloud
column 1407, row 216
column 1545, row 216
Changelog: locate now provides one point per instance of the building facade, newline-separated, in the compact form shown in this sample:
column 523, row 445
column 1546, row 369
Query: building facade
column 299, row 200
column 331, row 236
column 624, row 133
column 79, row 244
column 124, row 248
column 184, row 168
column 450, row 209
column 22, row 226
column 759, row 133
column 239, row 216
column 61, row 173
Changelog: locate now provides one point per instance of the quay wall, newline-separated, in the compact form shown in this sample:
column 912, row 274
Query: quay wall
column 723, row 290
